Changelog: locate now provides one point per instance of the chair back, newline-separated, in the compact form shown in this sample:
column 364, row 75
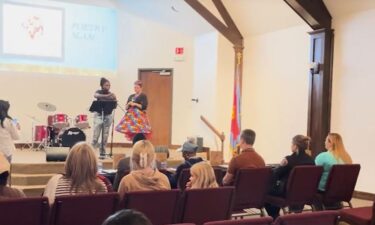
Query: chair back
column 250, row 221
column 183, row 179
column 84, row 209
column 251, row 187
column 219, row 174
column 314, row 218
column 341, row 182
column 303, row 184
column 158, row 206
column 209, row 204
column 24, row 211
column 373, row 214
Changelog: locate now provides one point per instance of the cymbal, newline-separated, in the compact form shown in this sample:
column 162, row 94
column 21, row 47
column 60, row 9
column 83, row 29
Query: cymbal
column 46, row 106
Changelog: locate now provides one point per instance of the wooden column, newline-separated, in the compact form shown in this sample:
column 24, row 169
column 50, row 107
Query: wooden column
column 238, row 64
column 320, row 89
column 317, row 16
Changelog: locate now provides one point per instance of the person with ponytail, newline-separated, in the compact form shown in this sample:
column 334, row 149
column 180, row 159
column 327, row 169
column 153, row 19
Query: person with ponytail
column 99, row 128
column 300, row 144
column 335, row 154
column 8, row 131
column 143, row 176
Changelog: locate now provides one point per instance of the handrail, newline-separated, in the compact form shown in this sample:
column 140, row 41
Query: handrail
column 213, row 129
column 220, row 135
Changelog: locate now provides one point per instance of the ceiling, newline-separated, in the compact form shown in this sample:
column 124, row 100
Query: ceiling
column 251, row 16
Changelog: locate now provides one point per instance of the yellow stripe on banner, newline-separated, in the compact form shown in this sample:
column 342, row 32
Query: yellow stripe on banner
column 56, row 70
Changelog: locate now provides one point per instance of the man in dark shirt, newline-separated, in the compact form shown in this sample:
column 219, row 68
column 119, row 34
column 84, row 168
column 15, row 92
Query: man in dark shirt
column 102, row 123
column 248, row 158
column 189, row 151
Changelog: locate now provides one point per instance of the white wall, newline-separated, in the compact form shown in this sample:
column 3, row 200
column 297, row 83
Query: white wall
column 142, row 44
column 204, row 88
column 353, row 90
column 275, row 89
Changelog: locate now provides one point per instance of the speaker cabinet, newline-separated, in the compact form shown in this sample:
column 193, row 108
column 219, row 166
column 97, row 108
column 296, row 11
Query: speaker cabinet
column 56, row 154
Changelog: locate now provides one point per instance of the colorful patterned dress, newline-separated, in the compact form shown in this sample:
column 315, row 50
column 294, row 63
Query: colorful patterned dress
column 135, row 119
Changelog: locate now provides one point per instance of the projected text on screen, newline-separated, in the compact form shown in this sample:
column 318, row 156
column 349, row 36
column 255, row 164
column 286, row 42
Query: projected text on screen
column 57, row 37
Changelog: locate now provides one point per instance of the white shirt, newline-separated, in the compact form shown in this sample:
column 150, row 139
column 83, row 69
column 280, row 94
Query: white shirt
column 8, row 134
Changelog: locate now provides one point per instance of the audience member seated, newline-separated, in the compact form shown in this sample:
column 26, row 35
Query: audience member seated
column 143, row 175
column 202, row 175
column 80, row 175
column 335, row 154
column 124, row 164
column 300, row 144
column 7, row 192
column 189, row 153
column 127, row 217
column 248, row 158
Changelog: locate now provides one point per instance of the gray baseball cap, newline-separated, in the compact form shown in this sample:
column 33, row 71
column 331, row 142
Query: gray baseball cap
column 188, row 147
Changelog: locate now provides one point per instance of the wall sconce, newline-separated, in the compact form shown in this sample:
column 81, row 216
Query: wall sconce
column 315, row 67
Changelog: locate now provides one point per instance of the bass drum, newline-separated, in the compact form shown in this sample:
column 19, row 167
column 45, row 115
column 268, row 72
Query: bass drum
column 71, row 136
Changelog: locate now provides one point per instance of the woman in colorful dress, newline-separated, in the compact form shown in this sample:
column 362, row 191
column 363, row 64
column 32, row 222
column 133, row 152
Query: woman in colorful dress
column 135, row 120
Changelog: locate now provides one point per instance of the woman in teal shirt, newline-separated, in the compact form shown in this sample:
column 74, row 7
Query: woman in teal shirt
column 335, row 154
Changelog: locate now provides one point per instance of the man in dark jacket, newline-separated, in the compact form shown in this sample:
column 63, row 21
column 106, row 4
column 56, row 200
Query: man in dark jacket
column 189, row 151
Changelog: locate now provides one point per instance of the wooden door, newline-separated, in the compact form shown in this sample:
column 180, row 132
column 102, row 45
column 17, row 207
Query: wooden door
column 158, row 89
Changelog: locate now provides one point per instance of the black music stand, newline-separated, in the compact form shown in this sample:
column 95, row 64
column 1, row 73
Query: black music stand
column 103, row 108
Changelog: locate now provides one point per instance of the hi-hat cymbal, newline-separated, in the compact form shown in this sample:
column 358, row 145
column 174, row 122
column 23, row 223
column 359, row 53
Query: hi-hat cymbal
column 46, row 106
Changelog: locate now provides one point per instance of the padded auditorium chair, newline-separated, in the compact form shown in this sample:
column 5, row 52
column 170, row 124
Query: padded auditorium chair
column 359, row 216
column 84, row 209
column 340, row 186
column 24, row 211
column 159, row 206
column 208, row 204
column 251, row 187
column 251, row 221
column 300, row 190
column 314, row 218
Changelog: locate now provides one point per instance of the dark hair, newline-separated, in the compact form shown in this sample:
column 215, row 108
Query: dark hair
column 4, row 178
column 302, row 142
column 103, row 81
column 138, row 82
column 127, row 217
column 4, row 108
column 248, row 136
column 138, row 137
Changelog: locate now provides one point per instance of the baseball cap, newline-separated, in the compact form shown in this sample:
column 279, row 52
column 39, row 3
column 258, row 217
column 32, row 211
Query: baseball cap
column 188, row 147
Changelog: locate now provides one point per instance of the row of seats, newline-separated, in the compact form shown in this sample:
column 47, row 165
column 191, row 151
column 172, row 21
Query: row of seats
column 252, row 185
column 161, row 207
column 315, row 218
column 191, row 206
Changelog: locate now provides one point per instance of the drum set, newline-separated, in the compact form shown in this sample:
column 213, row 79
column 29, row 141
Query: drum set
column 58, row 131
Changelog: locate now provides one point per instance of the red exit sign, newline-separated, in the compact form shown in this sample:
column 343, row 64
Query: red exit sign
column 179, row 51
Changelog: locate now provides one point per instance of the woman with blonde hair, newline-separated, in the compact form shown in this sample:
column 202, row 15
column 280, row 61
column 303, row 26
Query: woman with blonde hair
column 80, row 174
column 202, row 175
column 144, row 176
column 335, row 154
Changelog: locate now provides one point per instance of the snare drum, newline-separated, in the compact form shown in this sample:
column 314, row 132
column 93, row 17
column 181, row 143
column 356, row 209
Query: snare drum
column 82, row 122
column 40, row 133
column 60, row 120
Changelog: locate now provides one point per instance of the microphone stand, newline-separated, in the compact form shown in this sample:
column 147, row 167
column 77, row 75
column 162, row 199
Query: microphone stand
column 113, row 125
